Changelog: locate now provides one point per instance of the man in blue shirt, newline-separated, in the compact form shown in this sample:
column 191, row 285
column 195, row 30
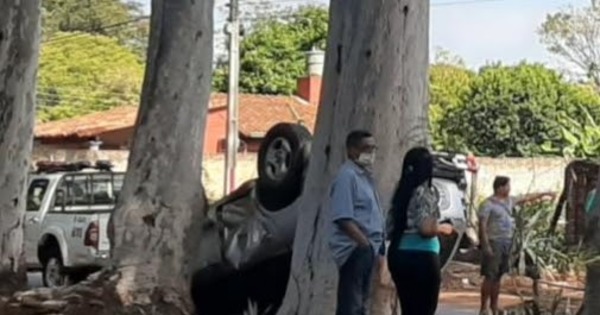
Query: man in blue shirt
column 357, row 224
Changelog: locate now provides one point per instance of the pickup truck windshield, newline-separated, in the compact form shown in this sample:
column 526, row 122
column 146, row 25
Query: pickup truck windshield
column 88, row 192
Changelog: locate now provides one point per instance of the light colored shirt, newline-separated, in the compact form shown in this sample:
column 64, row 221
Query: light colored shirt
column 353, row 196
column 423, row 204
column 499, row 216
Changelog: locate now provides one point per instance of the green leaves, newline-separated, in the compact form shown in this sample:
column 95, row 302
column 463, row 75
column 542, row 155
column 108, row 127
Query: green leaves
column 85, row 73
column 517, row 111
column 582, row 135
column 450, row 86
column 533, row 248
column 91, row 58
column 272, row 54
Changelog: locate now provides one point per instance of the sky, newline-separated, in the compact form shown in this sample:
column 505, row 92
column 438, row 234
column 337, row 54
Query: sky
column 482, row 31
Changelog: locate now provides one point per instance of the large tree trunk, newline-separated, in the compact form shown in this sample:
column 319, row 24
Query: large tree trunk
column 591, row 304
column 19, row 48
column 157, row 225
column 376, row 79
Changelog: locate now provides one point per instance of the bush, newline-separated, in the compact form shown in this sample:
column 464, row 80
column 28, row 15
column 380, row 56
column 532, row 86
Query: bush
column 449, row 89
column 516, row 111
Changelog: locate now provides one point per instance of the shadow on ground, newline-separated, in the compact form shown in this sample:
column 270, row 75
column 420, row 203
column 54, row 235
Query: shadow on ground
column 263, row 284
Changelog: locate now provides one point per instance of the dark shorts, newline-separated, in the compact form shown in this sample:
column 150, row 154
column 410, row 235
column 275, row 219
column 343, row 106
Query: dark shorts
column 493, row 267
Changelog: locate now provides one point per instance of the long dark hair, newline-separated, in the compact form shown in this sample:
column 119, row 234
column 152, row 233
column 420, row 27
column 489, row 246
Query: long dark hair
column 417, row 169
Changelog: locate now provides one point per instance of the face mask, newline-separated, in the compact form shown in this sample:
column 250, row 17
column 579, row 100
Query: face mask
column 366, row 159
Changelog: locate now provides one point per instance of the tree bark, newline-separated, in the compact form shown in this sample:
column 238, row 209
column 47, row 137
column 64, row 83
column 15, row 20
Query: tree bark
column 591, row 303
column 375, row 79
column 19, row 49
column 156, row 226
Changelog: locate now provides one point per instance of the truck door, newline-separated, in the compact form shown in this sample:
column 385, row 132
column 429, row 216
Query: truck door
column 37, row 198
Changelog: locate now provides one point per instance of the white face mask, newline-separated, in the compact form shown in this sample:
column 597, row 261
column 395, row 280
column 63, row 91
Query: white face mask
column 366, row 159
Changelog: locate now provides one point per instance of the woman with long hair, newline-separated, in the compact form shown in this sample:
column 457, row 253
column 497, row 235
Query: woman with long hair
column 413, row 257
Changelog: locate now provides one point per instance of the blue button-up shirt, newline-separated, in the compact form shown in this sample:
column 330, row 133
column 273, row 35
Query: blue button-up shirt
column 353, row 196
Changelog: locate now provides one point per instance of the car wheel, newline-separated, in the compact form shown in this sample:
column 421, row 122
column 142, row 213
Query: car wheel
column 53, row 273
column 282, row 162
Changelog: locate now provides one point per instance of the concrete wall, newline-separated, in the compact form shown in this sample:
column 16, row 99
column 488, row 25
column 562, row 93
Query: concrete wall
column 528, row 174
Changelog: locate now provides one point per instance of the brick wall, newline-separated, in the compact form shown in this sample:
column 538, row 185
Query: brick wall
column 528, row 174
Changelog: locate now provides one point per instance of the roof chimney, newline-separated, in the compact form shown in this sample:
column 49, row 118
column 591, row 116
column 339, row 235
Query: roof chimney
column 315, row 60
column 309, row 87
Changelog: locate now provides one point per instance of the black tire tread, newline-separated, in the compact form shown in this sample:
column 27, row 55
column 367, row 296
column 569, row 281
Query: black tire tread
column 273, row 195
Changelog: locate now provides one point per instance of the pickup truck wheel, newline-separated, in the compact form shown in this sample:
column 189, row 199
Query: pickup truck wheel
column 53, row 274
column 282, row 163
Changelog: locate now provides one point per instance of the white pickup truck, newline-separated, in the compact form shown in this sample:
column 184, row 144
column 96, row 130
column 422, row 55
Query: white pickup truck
column 68, row 208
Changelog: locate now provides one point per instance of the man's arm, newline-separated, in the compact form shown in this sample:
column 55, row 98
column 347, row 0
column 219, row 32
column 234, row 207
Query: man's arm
column 484, row 217
column 342, row 208
column 532, row 197
column 353, row 231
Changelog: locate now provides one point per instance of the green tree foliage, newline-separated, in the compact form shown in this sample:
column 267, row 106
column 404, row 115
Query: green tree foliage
column 450, row 86
column 86, row 73
column 573, row 35
column 517, row 111
column 271, row 54
column 114, row 18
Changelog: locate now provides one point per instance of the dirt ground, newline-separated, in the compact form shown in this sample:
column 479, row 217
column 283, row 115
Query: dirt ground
column 460, row 288
column 462, row 281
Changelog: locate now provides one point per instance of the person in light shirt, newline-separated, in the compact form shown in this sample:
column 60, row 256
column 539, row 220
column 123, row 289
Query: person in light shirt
column 356, row 224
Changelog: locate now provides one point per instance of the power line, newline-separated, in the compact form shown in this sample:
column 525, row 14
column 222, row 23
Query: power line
column 79, row 92
column 95, row 30
column 435, row 4
column 141, row 18
column 291, row 15
column 50, row 98
column 463, row 2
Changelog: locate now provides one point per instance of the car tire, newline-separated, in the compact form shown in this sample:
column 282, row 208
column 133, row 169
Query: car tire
column 53, row 271
column 282, row 162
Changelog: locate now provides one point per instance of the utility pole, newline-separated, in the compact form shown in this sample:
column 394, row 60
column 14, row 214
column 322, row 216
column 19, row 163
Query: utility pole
column 233, row 29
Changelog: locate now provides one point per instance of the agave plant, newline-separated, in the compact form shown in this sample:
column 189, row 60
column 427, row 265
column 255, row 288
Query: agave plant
column 583, row 139
column 533, row 248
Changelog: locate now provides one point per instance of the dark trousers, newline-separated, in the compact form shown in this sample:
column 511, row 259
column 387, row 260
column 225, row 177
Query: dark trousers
column 355, row 282
column 417, row 277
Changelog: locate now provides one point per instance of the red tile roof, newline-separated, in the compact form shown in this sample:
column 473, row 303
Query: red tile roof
column 89, row 125
column 257, row 113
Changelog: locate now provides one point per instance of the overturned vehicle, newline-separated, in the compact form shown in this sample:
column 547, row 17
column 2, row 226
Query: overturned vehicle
column 249, row 234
